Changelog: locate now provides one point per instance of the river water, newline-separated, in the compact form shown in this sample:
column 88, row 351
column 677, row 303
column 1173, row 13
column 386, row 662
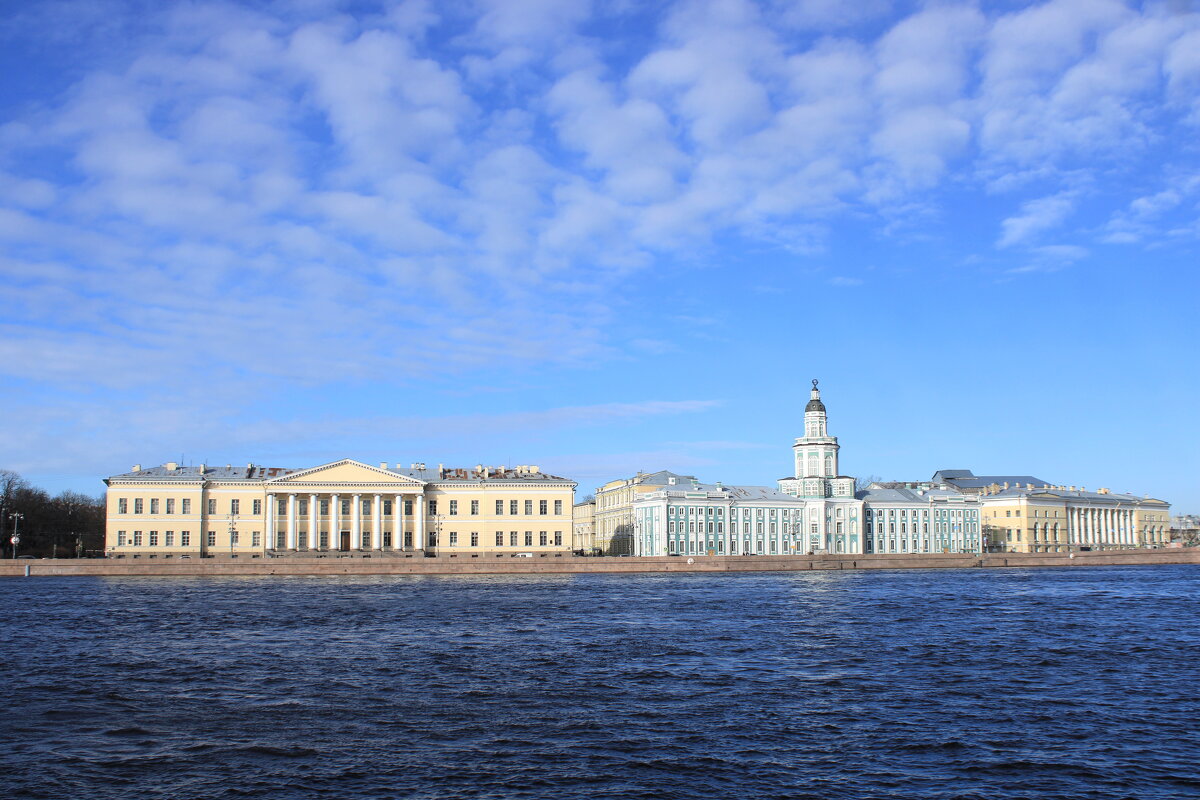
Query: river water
column 991, row 684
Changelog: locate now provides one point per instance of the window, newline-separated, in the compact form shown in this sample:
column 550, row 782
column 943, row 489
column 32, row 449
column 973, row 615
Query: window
column 233, row 537
column 324, row 508
column 474, row 539
column 153, row 505
column 185, row 537
column 499, row 538
column 256, row 539
column 528, row 508
column 120, row 538
column 454, row 508
column 499, row 508
column 529, row 538
column 432, row 507
column 257, row 507
column 543, row 507
column 474, row 507
column 558, row 506
column 137, row 506
column 212, row 507
column 212, row 538
column 235, row 506
column 453, row 538
column 366, row 507
column 558, row 538
column 512, row 507
column 169, row 538
column 345, row 508
column 542, row 538
column 280, row 540
column 170, row 505
column 512, row 538
column 387, row 538
column 408, row 508
column 137, row 538
column 123, row 506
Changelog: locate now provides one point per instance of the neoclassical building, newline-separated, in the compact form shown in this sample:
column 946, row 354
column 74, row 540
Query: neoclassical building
column 345, row 507
column 834, row 513
column 921, row 518
column 703, row 519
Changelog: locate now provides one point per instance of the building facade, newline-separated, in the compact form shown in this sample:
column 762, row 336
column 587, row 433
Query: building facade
column 922, row 519
column 345, row 507
column 1058, row 519
column 700, row 519
column 613, row 526
column 583, row 526
column 832, row 512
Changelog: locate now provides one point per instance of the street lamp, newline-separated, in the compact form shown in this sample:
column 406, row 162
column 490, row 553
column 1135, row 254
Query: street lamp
column 16, row 539
column 232, row 533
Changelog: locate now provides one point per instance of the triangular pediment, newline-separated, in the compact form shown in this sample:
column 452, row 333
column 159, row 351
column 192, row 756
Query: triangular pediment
column 346, row 472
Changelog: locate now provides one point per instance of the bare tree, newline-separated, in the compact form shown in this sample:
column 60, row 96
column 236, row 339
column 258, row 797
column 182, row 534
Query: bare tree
column 864, row 483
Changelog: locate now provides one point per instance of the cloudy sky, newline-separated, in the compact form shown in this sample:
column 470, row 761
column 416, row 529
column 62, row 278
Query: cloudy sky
column 602, row 237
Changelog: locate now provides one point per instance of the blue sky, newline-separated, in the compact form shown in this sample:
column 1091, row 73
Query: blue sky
column 602, row 237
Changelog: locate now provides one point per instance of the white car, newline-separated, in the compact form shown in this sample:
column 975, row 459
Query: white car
column 523, row 555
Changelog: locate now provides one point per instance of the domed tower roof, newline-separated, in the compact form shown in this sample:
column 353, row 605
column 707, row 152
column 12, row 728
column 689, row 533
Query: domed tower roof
column 815, row 403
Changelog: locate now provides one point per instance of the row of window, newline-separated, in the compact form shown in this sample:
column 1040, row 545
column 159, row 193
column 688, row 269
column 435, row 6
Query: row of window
column 167, row 506
column 878, row 526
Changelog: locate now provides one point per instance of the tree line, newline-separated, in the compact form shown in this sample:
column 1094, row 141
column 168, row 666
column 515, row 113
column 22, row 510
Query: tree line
column 68, row 525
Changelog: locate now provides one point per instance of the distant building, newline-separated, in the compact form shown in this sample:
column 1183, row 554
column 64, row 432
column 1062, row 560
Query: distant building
column 920, row 519
column 969, row 483
column 583, row 527
column 699, row 519
column 1185, row 529
column 1034, row 518
column 614, row 508
column 345, row 507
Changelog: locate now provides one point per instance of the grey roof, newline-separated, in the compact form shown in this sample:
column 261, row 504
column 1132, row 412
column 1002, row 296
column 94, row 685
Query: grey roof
column 255, row 473
column 969, row 480
column 735, row 493
column 663, row 478
column 1069, row 494
column 189, row 473
column 883, row 496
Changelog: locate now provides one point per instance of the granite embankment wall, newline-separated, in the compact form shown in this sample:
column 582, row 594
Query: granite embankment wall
column 568, row 564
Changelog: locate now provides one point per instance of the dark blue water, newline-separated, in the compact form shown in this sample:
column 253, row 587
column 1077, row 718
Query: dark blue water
column 1071, row 683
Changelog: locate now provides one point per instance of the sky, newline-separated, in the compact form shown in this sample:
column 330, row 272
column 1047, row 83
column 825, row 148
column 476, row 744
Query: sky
column 602, row 237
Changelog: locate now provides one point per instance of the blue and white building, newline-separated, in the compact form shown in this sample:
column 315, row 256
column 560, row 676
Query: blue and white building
column 697, row 519
column 921, row 518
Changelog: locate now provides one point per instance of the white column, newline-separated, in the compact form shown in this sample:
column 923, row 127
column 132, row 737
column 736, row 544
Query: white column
column 419, row 527
column 377, row 529
column 356, row 522
column 335, row 521
column 313, row 524
column 400, row 524
column 397, row 531
column 291, row 521
column 270, row 521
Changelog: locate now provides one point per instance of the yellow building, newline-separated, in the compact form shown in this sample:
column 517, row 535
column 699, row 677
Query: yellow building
column 614, row 531
column 344, row 508
column 1058, row 519
column 583, row 517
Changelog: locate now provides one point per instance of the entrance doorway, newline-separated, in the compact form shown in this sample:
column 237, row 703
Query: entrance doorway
column 345, row 545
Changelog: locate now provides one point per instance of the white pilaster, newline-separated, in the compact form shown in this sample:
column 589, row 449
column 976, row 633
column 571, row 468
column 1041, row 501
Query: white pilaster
column 291, row 521
column 377, row 527
column 397, row 517
column 335, row 522
column 313, row 525
column 356, row 522
column 419, row 527
column 271, row 543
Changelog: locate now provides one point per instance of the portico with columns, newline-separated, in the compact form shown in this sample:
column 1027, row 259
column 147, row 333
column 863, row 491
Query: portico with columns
column 345, row 506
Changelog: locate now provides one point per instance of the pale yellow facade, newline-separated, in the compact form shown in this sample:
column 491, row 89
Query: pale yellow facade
column 614, row 527
column 345, row 508
column 1058, row 519
column 584, row 527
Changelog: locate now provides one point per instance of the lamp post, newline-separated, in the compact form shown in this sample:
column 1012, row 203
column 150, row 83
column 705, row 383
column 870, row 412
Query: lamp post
column 16, row 539
column 232, row 533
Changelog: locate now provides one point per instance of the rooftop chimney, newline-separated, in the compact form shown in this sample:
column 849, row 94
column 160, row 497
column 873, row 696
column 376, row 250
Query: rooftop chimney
column 1006, row 484
column 136, row 468
column 535, row 469
column 172, row 466
column 383, row 465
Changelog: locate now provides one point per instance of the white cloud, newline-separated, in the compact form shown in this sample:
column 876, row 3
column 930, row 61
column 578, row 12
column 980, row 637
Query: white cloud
column 1036, row 217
